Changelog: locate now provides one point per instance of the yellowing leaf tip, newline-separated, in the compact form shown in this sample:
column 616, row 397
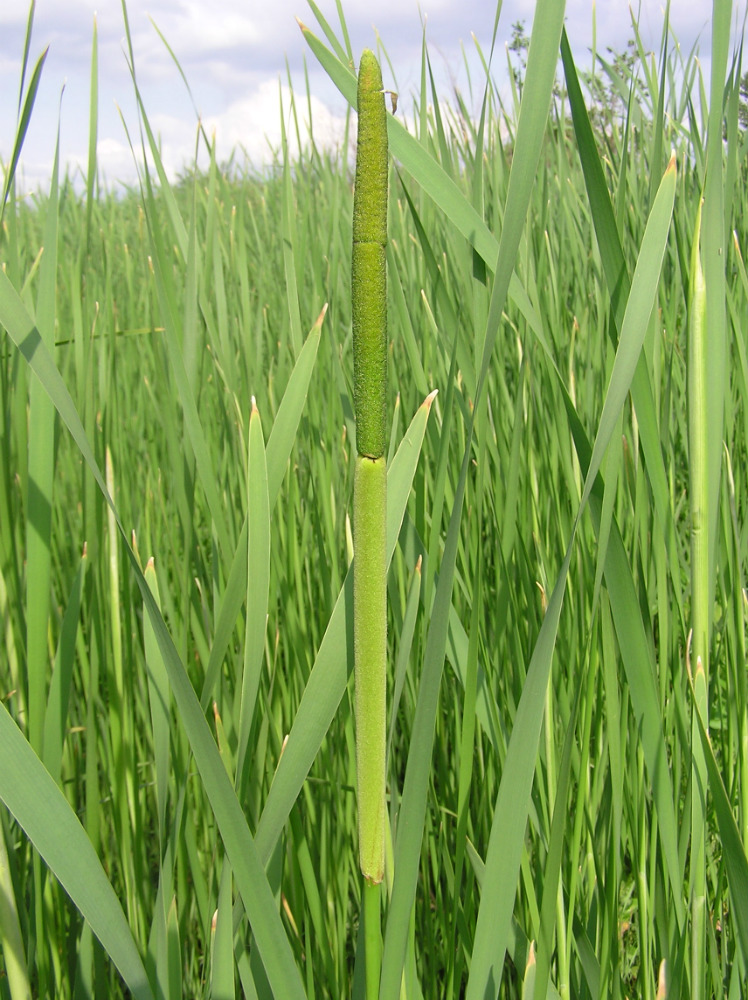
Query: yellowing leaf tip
column 531, row 960
column 323, row 313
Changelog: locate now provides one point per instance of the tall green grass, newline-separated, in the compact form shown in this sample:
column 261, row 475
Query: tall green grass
column 567, row 768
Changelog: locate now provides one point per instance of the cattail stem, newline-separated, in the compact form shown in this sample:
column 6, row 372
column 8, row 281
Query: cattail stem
column 369, row 313
column 370, row 652
column 369, row 309
column 700, row 584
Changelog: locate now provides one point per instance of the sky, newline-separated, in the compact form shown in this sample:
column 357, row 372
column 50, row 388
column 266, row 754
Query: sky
column 237, row 56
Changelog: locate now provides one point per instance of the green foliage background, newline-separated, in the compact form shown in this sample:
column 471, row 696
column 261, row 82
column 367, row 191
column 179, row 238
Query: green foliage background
column 559, row 822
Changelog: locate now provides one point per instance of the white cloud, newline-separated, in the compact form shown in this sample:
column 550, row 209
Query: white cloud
column 249, row 127
column 253, row 124
column 234, row 52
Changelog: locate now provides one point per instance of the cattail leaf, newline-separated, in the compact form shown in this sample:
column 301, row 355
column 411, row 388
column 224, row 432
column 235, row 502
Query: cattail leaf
column 370, row 657
column 45, row 815
column 329, row 676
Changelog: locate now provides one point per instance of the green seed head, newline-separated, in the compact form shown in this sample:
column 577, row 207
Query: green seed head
column 369, row 313
column 369, row 310
column 369, row 266
column 370, row 204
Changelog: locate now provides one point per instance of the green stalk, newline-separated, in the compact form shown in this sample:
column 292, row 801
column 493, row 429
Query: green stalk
column 369, row 308
column 370, row 651
column 11, row 936
column 369, row 311
column 700, row 583
column 372, row 936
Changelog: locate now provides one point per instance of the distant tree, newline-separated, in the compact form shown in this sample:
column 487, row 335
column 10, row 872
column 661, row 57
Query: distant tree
column 608, row 106
column 743, row 106
column 608, row 88
column 519, row 46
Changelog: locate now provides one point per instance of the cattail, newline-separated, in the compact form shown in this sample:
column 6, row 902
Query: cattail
column 369, row 308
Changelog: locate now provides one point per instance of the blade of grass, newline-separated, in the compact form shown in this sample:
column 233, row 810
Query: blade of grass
column 714, row 256
column 258, row 584
column 733, row 848
column 40, row 487
column 55, row 717
column 288, row 223
column 56, row 833
column 701, row 584
column 279, row 447
column 11, row 936
column 553, row 862
column 195, row 430
column 329, row 676
column 618, row 284
column 25, row 117
column 160, row 704
column 93, row 129
column 250, row 877
column 507, row 831
column 413, row 805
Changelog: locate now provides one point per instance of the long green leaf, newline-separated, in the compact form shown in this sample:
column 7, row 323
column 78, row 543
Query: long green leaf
column 507, row 831
column 413, row 806
column 250, row 877
column 258, row 582
column 45, row 815
column 619, row 286
column 24, row 121
column 733, row 848
column 279, row 446
column 329, row 676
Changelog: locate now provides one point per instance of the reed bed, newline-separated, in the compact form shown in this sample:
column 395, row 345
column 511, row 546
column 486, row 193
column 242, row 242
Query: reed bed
column 566, row 552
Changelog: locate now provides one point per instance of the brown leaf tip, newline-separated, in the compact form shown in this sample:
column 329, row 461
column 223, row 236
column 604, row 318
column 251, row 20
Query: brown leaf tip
column 323, row 313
